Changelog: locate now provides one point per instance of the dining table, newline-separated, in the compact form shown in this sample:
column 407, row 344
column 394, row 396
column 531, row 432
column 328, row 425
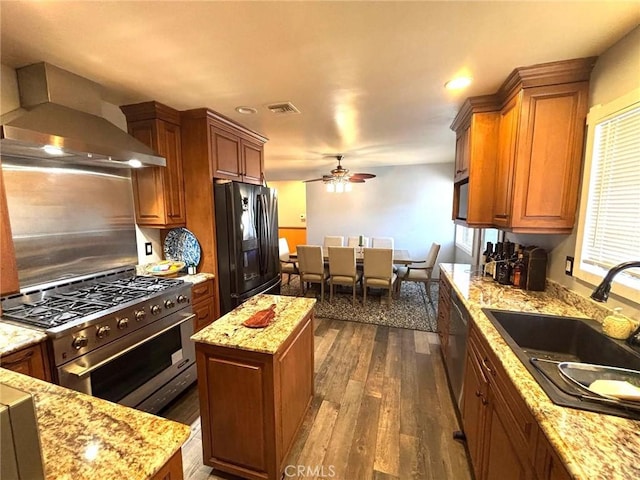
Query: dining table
column 400, row 257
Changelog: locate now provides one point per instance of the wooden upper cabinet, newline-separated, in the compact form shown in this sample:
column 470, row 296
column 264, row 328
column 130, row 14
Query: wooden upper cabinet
column 8, row 268
column 476, row 127
column 235, row 153
column 158, row 191
column 542, row 125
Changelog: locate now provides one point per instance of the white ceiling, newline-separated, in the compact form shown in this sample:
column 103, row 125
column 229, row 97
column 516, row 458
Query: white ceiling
column 367, row 76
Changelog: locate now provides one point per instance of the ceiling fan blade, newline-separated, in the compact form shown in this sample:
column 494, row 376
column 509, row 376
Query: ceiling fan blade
column 363, row 175
column 356, row 180
column 314, row 180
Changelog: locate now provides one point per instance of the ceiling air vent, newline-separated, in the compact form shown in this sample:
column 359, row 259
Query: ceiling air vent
column 283, row 108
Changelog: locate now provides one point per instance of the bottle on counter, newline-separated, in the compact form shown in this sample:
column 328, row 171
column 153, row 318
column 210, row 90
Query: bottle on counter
column 497, row 259
column 519, row 272
column 486, row 257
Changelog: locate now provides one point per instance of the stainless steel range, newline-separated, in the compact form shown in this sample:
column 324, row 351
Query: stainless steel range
column 114, row 335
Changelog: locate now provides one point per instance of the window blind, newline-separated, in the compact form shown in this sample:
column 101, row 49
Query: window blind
column 612, row 223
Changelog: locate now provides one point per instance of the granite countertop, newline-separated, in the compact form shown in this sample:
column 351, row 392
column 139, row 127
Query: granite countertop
column 197, row 277
column 591, row 445
column 228, row 331
column 84, row 437
column 14, row 337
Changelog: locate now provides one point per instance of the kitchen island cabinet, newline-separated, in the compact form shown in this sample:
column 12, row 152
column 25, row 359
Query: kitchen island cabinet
column 255, row 386
column 85, row 437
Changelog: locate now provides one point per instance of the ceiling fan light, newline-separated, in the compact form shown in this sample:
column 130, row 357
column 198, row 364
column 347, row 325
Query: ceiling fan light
column 331, row 187
column 339, row 187
column 347, row 187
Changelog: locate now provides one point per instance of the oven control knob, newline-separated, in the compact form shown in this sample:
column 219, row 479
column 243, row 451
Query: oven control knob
column 103, row 331
column 79, row 342
column 155, row 309
column 182, row 299
column 123, row 323
column 140, row 315
column 169, row 304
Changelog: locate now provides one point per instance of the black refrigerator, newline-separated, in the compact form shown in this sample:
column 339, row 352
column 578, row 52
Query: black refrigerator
column 247, row 242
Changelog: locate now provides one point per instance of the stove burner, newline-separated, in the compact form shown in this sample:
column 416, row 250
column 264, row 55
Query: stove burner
column 72, row 304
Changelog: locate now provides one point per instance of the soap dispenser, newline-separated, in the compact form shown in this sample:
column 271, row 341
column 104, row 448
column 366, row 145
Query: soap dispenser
column 617, row 326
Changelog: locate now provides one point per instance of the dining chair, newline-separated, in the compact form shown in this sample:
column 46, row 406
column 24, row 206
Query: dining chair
column 355, row 241
column 420, row 271
column 333, row 241
column 342, row 269
column 311, row 267
column 382, row 242
column 287, row 266
column 378, row 271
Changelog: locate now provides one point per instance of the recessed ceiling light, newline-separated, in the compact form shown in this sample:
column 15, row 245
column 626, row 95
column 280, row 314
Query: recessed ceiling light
column 53, row 150
column 135, row 163
column 246, row 110
column 458, row 83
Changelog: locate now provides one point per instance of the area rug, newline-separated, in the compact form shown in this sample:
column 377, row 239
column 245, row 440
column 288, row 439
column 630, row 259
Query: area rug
column 410, row 310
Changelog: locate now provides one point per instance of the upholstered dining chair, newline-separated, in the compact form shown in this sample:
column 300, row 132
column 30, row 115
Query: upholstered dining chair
column 420, row 271
column 333, row 241
column 311, row 267
column 287, row 266
column 342, row 269
column 378, row 271
column 382, row 242
column 355, row 241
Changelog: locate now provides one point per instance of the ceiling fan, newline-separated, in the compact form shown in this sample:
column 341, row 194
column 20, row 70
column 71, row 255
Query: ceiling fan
column 342, row 175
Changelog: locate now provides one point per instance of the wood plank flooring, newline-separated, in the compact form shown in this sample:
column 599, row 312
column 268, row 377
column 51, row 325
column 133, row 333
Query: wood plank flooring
column 381, row 410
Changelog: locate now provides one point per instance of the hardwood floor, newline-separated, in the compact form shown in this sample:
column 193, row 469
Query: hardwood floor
column 381, row 410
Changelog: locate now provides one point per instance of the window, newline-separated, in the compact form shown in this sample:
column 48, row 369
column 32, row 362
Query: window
column 464, row 238
column 610, row 231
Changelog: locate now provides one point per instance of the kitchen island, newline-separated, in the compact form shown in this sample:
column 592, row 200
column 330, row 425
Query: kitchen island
column 255, row 385
column 588, row 445
column 84, row 437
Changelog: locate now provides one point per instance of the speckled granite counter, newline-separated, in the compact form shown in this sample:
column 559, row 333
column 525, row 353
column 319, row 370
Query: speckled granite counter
column 14, row 338
column 228, row 331
column 83, row 437
column 592, row 446
column 197, row 277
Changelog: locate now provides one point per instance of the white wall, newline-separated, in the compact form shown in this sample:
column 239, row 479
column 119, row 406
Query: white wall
column 292, row 203
column 411, row 203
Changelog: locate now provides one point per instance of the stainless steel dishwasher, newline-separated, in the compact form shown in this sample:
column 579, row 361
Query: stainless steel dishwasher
column 458, row 332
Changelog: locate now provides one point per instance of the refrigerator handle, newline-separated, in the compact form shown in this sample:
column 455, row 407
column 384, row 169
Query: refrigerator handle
column 260, row 219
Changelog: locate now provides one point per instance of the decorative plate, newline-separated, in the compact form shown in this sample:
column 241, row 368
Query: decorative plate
column 182, row 246
column 165, row 267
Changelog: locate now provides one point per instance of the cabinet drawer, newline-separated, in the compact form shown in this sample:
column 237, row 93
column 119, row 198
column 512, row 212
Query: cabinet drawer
column 204, row 315
column 201, row 291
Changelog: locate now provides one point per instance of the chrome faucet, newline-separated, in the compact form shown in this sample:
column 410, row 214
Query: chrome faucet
column 601, row 293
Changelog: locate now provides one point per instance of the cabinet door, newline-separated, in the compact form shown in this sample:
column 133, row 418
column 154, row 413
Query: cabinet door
column 30, row 361
column 462, row 155
column 501, row 459
column 473, row 409
column 252, row 163
column 204, row 313
column 549, row 157
column 507, row 137
column 171, row 149
column 8, row 268
column 159, row 191
column 225, row 154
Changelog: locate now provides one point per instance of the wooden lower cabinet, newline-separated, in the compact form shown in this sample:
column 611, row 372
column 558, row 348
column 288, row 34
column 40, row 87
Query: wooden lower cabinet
column 32, row 361
column 203, row 304
column 503, row 438
column 172, row 470
column 252, row 404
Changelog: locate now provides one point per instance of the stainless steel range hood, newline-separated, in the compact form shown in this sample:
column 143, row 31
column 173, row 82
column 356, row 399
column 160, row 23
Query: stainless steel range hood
column 61, row 110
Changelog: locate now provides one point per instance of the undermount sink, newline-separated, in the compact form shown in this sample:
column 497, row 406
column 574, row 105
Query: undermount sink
column 541, row 341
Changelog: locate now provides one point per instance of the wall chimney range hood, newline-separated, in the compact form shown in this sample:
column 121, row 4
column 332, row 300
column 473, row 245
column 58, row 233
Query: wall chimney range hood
column 59, row 121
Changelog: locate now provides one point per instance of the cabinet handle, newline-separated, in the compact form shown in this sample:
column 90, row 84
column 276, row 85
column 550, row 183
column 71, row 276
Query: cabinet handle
column 478, row 393
column 484, row 401
column 488, row 368
column 21, row 359
column 501, row 215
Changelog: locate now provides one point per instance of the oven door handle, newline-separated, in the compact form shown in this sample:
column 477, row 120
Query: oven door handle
column 81, row 372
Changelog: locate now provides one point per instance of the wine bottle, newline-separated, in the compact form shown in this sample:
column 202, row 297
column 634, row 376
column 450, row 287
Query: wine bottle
column 519, row 272
column 486, row 257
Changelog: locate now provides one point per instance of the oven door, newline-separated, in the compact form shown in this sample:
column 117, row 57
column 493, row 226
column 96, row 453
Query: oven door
column 145, row 369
